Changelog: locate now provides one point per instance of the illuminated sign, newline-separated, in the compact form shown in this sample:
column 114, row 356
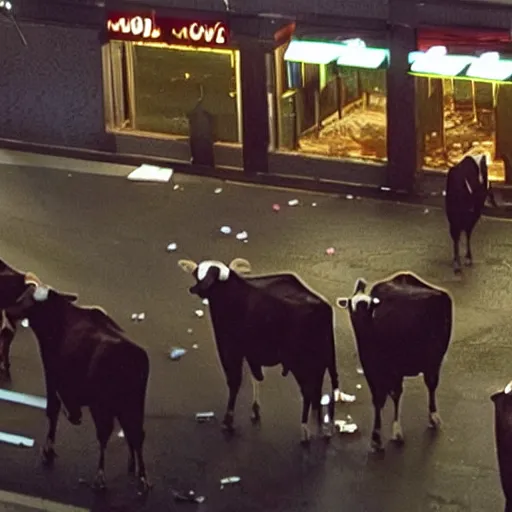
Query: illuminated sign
column 167, row 30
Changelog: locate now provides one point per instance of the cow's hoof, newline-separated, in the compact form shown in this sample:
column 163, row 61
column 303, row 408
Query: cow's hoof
column 305, row 437
column 327, row 431
column 468, row 262
column 228, row 425
column 434, row 421
column 131, row 466
column 397, row 436
column 376, row 443
column 143, row 486
column 48, row 456
column 255, row 416
column 100, row 482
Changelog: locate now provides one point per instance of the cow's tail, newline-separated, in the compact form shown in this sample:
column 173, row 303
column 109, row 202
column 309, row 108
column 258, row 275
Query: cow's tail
column 331, row 366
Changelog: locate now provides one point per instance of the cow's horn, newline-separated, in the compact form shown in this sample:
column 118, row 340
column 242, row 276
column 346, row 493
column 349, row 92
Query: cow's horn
column 31, row 278
column 360, row 285
column 240, row 265
column 188, row 266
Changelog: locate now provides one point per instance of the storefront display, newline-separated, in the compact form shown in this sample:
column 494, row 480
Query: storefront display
column 159, row 69
column 332, row 99
column 464, row 99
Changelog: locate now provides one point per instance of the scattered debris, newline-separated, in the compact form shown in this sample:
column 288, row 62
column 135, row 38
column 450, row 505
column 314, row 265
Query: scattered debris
column 360, row 371
column 358, row 198
column 345, row 397
column 242, row 235
column 350, row 196
column 120, row 434
column 176, row 187
column 358, row 386
column 23, row 399
column 226, row 230
column 195, row 345
column 190, row 331
column 203, row 417
column 385, row 189
column 230, row 480
column 276, row 207
column 138, row 317
column 444, row 192
column 293, row 202
column 426, row 210
column 189, row 496
column 151, row 173
column 218, row 190
column 206, row 302
column 172, row 246
column 199, row 313
column 25, row 323
column 330, row 251
column 345, row 427
column 313, row 204
column 21, row 441
column 177, row 353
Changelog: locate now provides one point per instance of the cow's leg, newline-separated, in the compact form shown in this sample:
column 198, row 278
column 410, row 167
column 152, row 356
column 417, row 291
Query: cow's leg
column 6, row 337
column 306, row 404
column 455, row 234
column 431, row 379
column 132, row 423
column 469, row 255
column 234, row 383
column 53, row 406
column 104, row 422
column 255, row 416
column 396, row 394
column 379, row 399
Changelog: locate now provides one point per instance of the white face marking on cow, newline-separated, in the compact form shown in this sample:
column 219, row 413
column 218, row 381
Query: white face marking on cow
column 508, row 388
column 205, row 266
column 41, row 293
column 362, row 297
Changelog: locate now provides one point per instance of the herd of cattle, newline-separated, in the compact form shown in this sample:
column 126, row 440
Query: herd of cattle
column 402, row 327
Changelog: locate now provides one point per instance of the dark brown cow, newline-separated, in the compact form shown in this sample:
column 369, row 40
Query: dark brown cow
column 503, row 431
column 267, row 321
column 88, row 361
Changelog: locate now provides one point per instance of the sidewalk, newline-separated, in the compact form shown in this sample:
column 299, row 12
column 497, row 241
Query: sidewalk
column 13, row 502
column 431, row 197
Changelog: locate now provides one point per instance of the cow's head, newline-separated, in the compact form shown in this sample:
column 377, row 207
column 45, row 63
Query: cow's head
column 13, row 284
column 361, row 305
column 35, row 295
column 210, row 273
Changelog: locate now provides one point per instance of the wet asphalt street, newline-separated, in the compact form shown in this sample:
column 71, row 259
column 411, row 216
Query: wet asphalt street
column 105, row 238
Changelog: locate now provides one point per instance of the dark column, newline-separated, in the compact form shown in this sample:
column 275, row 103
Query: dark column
column 401, row 104
column 254, row 108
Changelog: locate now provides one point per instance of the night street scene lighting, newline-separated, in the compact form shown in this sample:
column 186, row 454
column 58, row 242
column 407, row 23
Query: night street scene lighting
column 7, row 9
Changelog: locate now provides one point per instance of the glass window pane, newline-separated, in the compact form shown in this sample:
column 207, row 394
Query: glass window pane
column 460, row 117
column 333, row 111
column 169, row 82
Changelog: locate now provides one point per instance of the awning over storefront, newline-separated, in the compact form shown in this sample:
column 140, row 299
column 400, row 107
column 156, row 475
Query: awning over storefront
column 352, row 52
column 436, row 61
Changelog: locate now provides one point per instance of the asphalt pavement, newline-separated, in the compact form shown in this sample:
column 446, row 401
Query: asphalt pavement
column 105, row 237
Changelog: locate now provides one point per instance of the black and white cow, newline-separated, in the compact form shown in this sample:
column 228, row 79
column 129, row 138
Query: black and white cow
column 503, row 431
column 88, row 361
column 268, row 320
column 467, row 188
column 402, row 328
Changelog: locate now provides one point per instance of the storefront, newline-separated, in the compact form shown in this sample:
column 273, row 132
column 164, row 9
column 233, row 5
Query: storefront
column 463, row 98
column 157, row 70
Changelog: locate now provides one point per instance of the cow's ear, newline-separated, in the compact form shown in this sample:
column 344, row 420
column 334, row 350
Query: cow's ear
column 70, row 297
column 360, row 286
column 188, row 266
column 240, row 265
column 342, row 302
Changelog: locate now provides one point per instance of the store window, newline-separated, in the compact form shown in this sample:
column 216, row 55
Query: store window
column 332, row 99
column 153, row 86
column 464, row 107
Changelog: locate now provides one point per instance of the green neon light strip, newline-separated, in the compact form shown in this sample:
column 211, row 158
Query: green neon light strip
column 317, row 52
column 369, row 58
column 312, row 52
column 463, row 77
